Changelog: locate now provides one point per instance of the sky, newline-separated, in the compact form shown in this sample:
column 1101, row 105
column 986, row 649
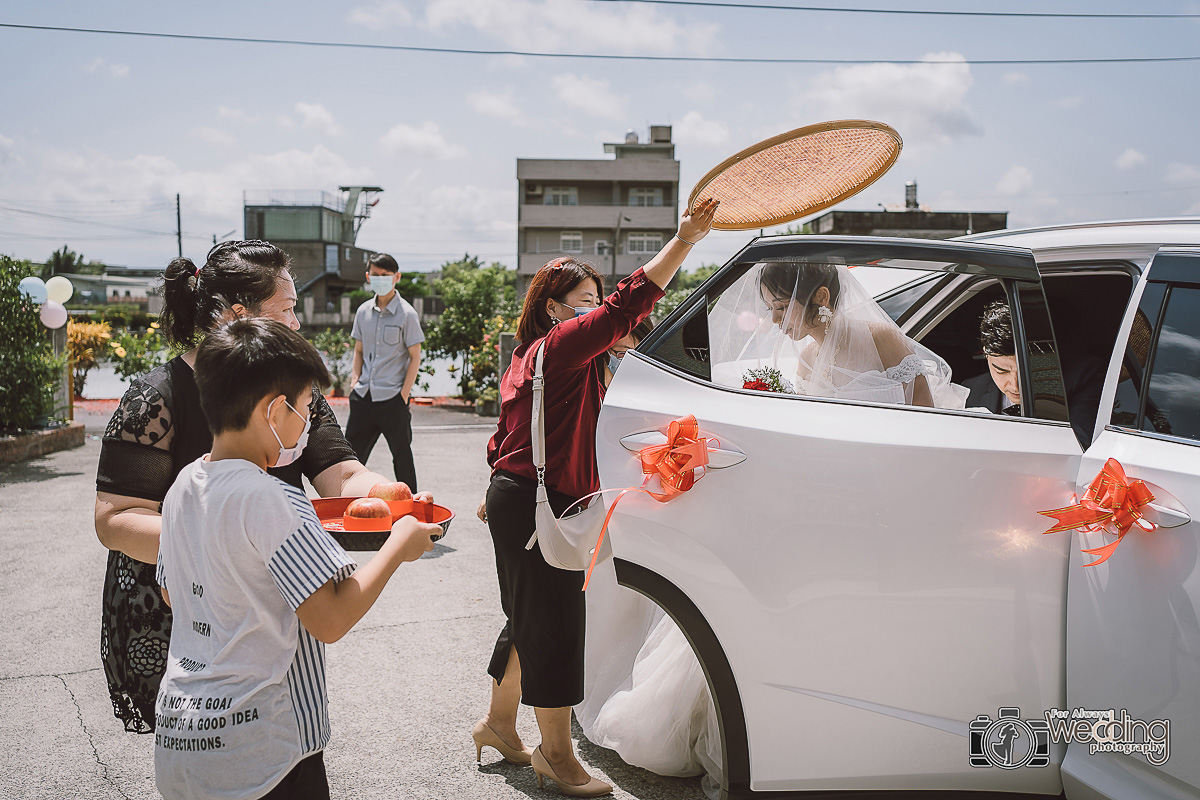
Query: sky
column 105, row 130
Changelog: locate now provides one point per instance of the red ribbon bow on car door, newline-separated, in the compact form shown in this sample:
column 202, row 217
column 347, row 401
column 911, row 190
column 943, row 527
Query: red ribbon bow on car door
column 1112, row 500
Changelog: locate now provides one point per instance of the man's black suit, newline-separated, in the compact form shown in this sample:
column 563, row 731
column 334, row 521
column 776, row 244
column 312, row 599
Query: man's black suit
column 1084, row 380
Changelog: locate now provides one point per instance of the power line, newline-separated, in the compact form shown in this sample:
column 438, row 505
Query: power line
column 922, row 12
column 599, row 56
column 78, row 221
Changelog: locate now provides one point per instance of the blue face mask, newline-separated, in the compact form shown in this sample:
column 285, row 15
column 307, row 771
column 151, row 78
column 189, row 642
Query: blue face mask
column 613, row 363
column 580, row 311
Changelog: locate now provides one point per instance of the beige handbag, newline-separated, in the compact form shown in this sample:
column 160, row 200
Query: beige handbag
column 569, row 542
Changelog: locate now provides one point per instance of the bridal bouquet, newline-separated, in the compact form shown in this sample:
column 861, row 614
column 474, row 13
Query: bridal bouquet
column 766, row 379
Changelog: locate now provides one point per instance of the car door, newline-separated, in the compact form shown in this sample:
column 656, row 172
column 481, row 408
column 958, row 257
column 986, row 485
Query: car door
column 861, row 582
column 1133, row 635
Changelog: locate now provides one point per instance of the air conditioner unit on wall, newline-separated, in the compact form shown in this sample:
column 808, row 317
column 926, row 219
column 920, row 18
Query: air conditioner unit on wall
column 535, row 189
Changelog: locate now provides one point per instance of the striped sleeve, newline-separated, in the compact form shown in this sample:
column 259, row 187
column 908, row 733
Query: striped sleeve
column 160, row 574
column 309, row 557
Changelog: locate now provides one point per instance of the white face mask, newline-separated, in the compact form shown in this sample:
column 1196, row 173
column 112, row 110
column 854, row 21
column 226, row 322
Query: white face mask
column 288, row 455
column 381, row 284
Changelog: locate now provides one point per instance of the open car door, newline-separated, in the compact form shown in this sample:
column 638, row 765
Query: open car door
column 862, row 583
column 1133, row 621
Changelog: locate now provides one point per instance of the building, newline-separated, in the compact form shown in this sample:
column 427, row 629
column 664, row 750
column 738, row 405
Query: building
column 614, row 213
column 911, row 219
column 318, row 230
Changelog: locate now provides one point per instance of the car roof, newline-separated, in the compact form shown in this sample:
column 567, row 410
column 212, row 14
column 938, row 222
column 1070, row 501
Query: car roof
column 1128, row 239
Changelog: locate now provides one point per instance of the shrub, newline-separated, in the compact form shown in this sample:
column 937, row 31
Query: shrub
column 336, row 349
column 136, row 354
column 87, row 344
column 28, row 369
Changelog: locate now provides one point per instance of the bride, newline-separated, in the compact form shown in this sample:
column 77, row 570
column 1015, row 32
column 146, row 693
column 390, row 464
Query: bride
column 814, row 326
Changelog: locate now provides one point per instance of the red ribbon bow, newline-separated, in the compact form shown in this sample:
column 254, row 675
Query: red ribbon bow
column 1111, row 501
column 675, row 463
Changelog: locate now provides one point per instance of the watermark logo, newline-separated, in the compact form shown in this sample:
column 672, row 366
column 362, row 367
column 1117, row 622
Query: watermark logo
column 1009, row 742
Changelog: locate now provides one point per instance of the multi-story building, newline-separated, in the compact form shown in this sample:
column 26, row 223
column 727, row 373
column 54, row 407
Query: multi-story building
column 318, row 230
column 612, row 213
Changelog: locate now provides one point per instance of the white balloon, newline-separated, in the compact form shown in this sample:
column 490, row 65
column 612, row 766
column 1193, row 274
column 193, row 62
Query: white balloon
column 59, row 289
column 54, row 315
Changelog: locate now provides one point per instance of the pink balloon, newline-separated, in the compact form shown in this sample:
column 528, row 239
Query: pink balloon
column 54, row 315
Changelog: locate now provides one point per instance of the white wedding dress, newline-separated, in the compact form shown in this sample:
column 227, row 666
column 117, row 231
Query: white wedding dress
column 645, row 694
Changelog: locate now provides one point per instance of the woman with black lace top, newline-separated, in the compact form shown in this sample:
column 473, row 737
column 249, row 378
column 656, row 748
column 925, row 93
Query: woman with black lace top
column 157, row 430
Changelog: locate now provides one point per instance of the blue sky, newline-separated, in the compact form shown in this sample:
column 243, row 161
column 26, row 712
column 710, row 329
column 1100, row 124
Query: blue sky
column 108, row 128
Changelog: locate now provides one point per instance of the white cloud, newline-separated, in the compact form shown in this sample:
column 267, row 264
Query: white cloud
column 316, row 117
column 1073, row 101
column 285, row 122
column 926, row 103
column 381, row 14
column 1129, row 159
column 216, row 137
column 1018, row 179
column 558, row 25
column 1180, row 173
column 228, row 112
column 102, row 66
column 1015, row 78
column 589, row 95
column 423, row 140
column 695, row 129
column 492, row 103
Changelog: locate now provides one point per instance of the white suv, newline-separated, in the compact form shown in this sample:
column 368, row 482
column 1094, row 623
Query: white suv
column 868, row 587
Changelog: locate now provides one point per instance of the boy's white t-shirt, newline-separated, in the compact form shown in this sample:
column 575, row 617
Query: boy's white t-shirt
column 243, row 698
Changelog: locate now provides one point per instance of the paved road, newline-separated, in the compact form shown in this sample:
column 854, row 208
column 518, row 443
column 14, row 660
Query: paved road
column 406, row 684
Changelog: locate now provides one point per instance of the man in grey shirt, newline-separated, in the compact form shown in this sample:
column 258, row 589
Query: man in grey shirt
column 387, row 356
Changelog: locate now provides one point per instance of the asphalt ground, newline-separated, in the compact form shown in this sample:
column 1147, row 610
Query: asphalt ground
column 405, row 685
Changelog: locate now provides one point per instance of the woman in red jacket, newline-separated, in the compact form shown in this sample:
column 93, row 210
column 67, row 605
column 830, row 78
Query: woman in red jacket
column 544, row 605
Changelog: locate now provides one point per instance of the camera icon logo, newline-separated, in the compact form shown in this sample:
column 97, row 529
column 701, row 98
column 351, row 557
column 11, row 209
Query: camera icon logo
column 1009, row 742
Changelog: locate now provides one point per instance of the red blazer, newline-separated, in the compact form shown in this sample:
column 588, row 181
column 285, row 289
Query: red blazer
column 574, row 371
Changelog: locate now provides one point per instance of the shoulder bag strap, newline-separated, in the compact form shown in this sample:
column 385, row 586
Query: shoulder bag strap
column 537, row 418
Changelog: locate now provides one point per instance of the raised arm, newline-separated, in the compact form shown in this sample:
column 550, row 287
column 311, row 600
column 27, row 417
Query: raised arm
column 692, row 228
column 577, row 341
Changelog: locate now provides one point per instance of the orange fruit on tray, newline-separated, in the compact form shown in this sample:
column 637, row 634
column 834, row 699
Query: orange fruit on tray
column 356, row 532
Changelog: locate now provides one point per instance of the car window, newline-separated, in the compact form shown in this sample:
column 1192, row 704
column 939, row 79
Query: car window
column 722, row 339
column 899, row 303
column 1173, row 395
column 1131, row 383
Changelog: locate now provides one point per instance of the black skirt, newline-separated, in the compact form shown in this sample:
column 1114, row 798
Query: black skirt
column 543, row 604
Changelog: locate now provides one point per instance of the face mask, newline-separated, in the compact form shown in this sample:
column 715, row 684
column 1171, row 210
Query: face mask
column 288, row 455
column 613, row 363
column 381, row 284
column 579, row 312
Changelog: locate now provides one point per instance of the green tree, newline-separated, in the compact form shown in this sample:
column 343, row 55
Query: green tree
column 66, row 260
column 27, row 364
column 682, row 285
column 474, row 295
column 412, row 285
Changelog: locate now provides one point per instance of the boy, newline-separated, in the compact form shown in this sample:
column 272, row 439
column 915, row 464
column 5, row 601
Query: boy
column 256, row 584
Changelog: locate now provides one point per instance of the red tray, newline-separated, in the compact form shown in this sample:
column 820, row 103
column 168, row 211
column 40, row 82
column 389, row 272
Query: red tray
column 357, row 533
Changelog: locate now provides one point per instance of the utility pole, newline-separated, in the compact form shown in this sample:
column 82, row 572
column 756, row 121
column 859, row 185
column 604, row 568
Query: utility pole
column 178, row 226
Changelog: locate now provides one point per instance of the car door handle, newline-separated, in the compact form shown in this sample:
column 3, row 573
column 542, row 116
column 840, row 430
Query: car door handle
column 1165, row 517
column 718, row 457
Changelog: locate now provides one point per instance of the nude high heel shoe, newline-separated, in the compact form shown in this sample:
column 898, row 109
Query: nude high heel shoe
column 485, row 736
column 593, row 788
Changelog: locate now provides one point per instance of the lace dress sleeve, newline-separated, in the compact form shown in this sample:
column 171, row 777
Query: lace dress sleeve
column 908, row 370
column 327, row 444
column 135, row 453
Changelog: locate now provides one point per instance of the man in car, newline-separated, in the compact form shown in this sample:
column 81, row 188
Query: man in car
column 999, row 389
